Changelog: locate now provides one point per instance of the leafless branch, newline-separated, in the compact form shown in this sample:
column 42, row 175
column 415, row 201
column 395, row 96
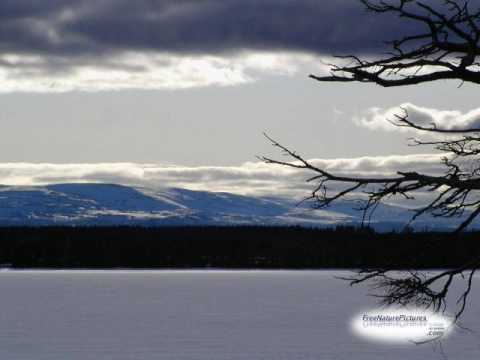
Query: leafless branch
column 447, row 48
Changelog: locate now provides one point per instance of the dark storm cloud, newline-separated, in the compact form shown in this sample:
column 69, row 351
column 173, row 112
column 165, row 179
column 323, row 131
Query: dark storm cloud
column 15, row 9
column 93, row 27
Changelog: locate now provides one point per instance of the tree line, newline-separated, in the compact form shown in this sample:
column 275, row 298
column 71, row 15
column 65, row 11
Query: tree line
column 231, row 247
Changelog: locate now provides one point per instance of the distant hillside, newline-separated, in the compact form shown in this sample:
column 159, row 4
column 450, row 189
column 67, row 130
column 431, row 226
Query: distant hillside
column 107, row 205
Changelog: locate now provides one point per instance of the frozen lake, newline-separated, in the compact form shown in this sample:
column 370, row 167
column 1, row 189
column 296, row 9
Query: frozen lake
column 204, row 315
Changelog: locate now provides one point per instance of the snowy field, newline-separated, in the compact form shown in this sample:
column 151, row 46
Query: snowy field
column 197, row 315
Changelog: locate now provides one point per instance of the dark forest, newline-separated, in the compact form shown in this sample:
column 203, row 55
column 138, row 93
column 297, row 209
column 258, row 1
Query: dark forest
column 231, row 247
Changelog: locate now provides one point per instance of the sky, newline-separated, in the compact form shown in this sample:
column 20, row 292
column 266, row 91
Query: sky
column 178, row 93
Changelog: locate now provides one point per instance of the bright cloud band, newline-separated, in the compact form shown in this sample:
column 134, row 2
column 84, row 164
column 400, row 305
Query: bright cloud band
column 147, row 71
column 252, row 178
column 381, row 118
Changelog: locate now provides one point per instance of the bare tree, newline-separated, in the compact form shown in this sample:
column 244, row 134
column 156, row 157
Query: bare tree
column 447, row 47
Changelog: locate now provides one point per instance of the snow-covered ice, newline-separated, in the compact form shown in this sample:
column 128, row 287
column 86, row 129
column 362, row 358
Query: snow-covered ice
column 197, row 315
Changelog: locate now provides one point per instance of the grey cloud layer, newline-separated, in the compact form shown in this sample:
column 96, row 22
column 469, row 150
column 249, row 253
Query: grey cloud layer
column 380, row 119
column 249, row 178
column 94, row 27
column 91, row 45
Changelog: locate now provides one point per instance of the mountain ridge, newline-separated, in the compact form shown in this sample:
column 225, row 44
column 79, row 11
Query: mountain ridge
column 99, row 204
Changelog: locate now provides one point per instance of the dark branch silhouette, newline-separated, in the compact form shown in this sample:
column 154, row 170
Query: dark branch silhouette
column 417, row 287
column 454, row 193
column 446, row 48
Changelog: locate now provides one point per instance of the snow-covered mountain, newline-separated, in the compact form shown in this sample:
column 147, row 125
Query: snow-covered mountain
column 107, row 204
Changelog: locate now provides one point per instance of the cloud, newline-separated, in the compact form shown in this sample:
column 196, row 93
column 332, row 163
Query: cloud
column 378, row 118
column 251, row 178
column 71, row 27
column 62, row 45
column 145, row 71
